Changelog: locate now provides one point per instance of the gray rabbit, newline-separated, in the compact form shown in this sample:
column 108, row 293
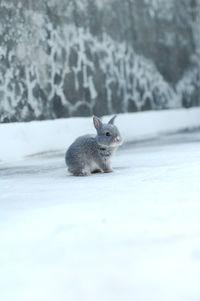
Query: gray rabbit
column 90, row 153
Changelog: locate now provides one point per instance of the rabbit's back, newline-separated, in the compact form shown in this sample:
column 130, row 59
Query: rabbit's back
column 81, row 152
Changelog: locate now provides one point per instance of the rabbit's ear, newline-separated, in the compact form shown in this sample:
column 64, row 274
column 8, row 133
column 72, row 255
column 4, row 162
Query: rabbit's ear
column 97, row 123
column 112, row 119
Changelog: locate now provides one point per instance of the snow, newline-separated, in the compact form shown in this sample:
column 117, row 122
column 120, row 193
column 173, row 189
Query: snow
column 129, row 235
column 24, row 139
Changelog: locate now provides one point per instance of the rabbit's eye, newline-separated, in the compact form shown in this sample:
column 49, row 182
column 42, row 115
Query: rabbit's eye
column 107, row 134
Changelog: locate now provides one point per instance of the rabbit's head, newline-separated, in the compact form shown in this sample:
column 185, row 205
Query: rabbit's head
column 108, row 134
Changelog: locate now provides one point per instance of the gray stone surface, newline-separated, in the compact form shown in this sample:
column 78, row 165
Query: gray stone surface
column 77, row 58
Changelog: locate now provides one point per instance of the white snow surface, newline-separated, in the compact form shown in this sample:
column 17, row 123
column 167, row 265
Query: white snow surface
column 133, row 234
column 23, row 139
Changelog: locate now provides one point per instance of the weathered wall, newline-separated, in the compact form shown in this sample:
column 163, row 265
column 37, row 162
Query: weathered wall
column 82, row 57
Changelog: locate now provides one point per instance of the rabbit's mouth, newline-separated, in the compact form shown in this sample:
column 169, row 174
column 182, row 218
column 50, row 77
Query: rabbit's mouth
column 114, row 142
column 117, row 140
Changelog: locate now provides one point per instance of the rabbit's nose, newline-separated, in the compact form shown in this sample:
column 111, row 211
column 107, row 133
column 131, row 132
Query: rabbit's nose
column 117, row 139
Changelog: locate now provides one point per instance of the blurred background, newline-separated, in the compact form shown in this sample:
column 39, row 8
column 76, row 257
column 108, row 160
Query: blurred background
column 82, row 57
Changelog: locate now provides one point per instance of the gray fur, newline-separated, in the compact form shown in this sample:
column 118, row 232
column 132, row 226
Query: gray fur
column 90, row 153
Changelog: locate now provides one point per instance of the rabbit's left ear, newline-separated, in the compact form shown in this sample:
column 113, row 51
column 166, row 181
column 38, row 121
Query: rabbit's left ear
column 112, row 119
column 97, row 122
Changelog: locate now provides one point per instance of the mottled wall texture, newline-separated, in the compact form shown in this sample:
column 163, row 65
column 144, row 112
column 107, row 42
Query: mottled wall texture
column 61, row 58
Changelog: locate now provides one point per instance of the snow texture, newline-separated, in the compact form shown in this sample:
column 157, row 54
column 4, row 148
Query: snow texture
column 129, row 235
column 24, row 139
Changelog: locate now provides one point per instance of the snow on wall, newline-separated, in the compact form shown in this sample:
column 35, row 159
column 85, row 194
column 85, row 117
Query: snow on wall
column 57, row 68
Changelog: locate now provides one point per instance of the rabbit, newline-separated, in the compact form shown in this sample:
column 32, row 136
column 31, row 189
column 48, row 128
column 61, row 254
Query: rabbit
column 90, row 154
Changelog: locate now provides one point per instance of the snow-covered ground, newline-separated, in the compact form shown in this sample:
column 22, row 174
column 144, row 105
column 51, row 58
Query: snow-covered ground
column 129, row 235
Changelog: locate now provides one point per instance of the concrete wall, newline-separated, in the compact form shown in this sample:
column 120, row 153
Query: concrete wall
column 81, row 57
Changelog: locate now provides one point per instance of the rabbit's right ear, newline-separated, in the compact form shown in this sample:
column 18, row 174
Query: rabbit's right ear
column 97, row 123
column 112, row 119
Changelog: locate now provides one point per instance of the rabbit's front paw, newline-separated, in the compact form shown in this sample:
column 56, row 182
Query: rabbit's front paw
column 108, row 170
